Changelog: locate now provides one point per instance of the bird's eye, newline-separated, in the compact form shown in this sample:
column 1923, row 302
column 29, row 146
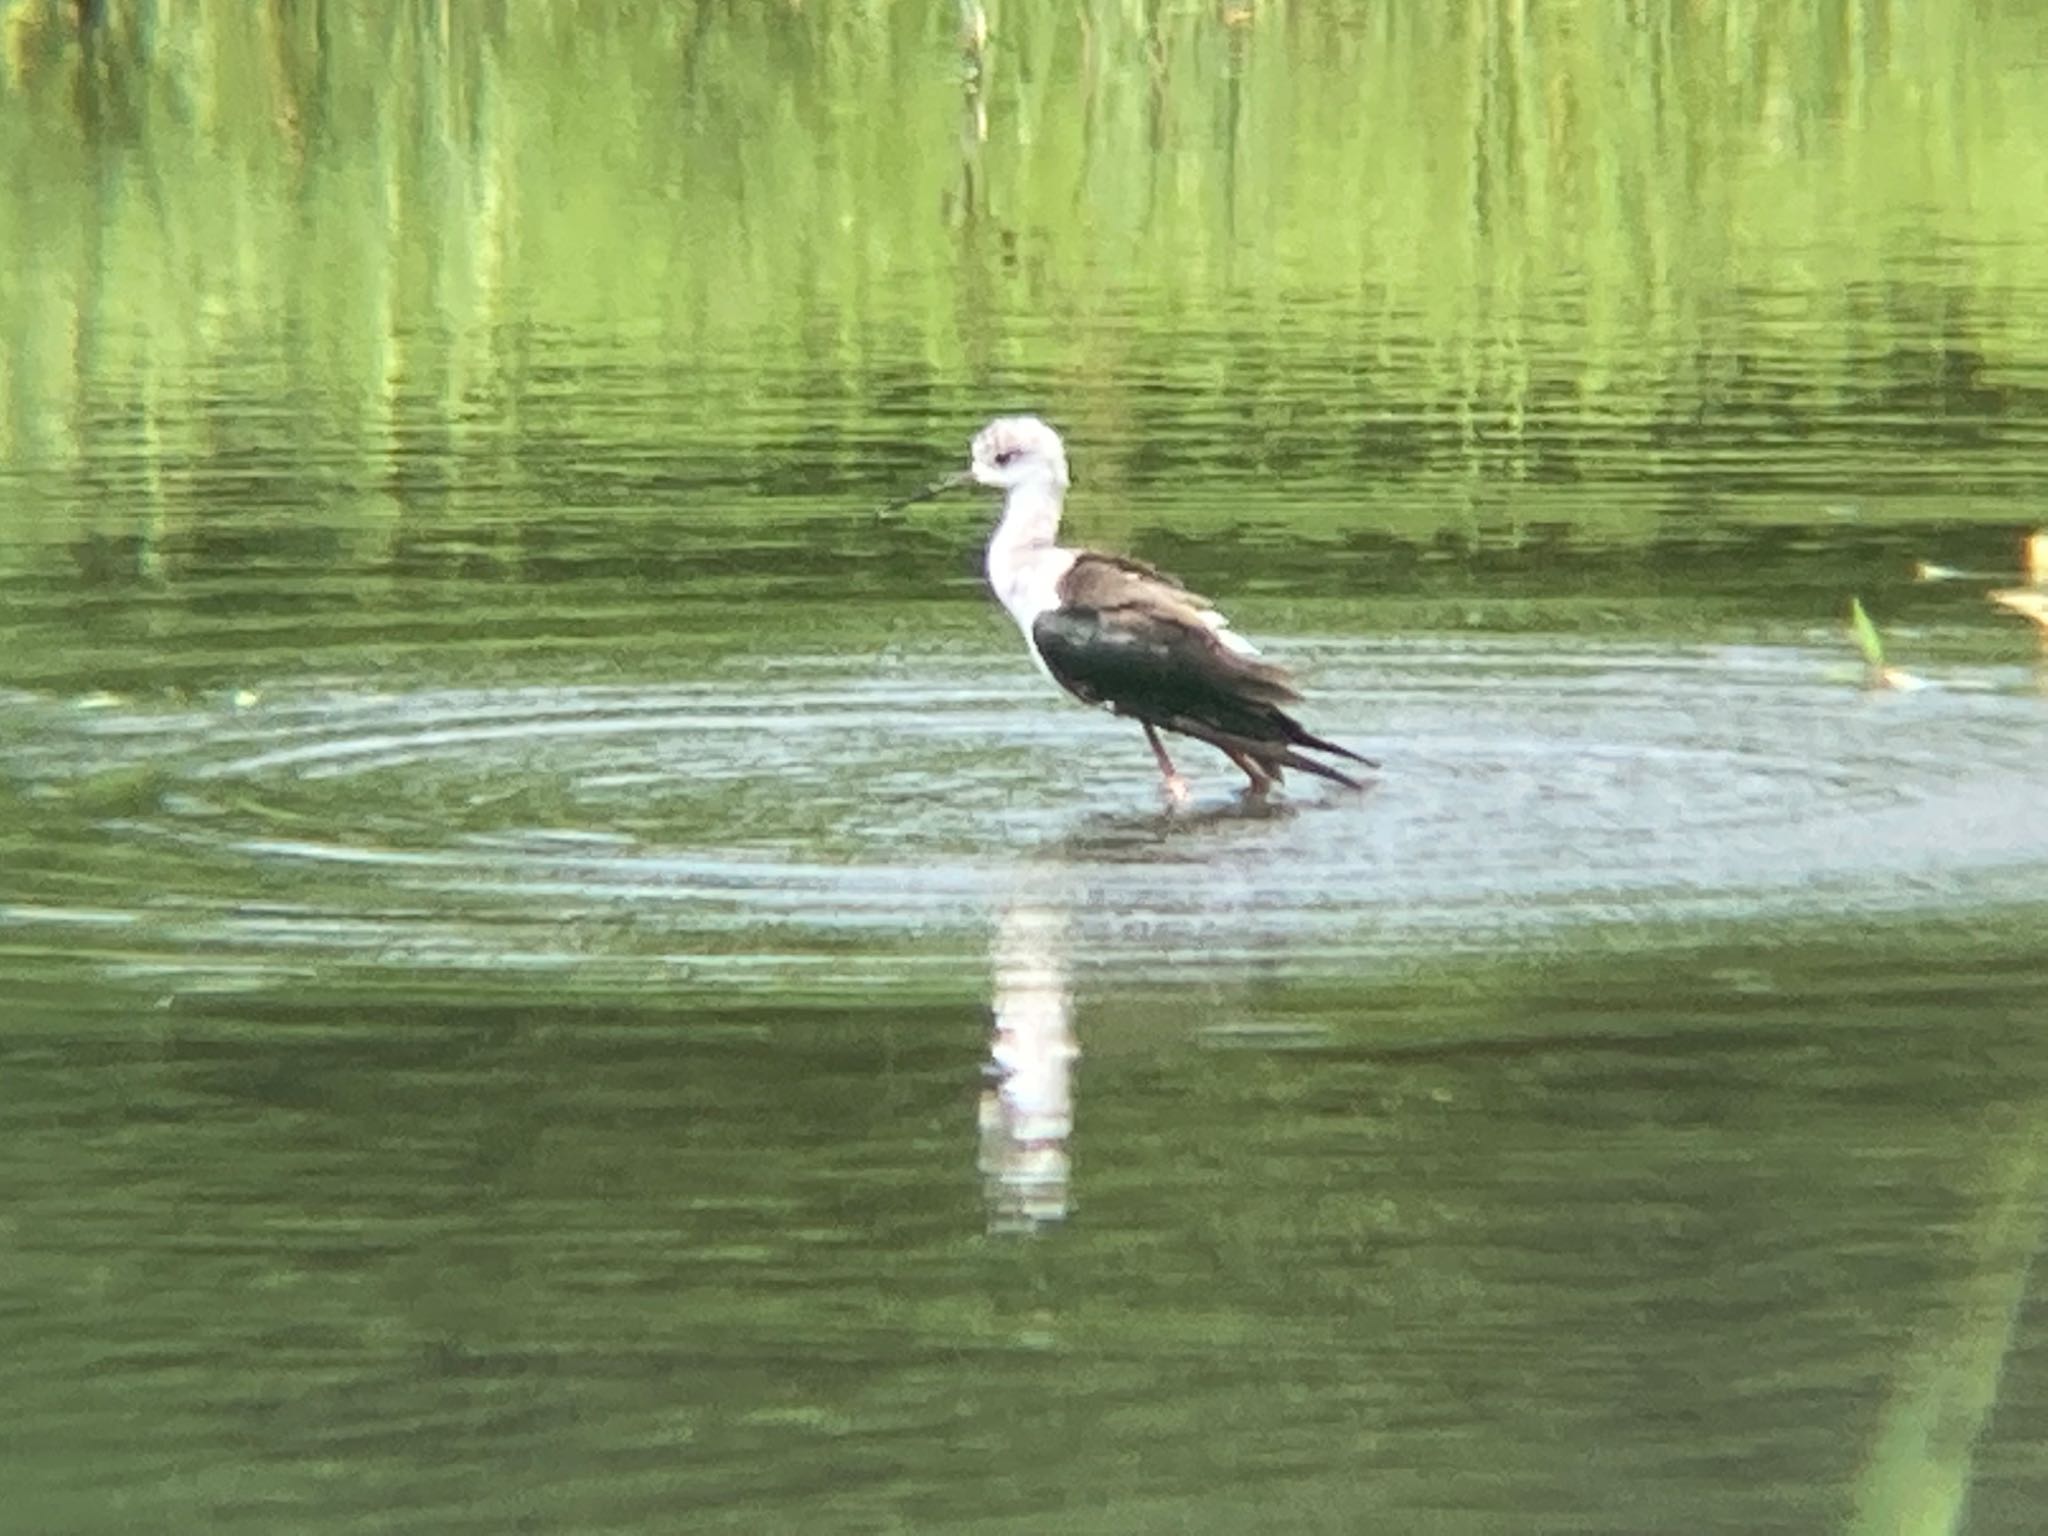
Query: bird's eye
column 1007, row 456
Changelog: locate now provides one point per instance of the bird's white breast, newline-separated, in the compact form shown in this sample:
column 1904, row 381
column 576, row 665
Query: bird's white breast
column 1026, row 582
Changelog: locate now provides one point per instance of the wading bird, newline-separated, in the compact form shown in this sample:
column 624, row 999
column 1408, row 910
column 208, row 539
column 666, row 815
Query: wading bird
column 1115, row 632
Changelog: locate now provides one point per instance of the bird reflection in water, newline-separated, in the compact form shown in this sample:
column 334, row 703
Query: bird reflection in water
column 1027, row 1107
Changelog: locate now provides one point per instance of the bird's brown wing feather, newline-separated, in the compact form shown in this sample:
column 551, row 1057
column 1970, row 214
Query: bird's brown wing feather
column 1114, row 581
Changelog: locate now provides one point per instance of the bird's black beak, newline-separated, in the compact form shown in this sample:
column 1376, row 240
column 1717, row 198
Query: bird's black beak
column 937, row 488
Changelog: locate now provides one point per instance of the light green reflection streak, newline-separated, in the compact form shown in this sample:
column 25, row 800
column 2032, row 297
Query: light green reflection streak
column 380, row 201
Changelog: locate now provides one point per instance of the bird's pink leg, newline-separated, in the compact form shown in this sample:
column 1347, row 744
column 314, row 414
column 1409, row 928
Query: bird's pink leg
column 1261, row 780
column 1177, row 792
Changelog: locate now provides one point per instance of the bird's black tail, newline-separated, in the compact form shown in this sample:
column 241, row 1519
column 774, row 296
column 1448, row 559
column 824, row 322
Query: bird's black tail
column 1275, row 754
column 1299, row 735
column 1290, row 758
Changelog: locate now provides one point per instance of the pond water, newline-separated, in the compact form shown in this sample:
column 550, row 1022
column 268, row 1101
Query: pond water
column 562, row 971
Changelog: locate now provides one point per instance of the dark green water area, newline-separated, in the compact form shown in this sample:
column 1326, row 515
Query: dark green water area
column 561, row 972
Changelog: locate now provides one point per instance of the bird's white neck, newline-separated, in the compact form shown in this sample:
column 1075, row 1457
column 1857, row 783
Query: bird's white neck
column 1025, row 562
column 1031, row 517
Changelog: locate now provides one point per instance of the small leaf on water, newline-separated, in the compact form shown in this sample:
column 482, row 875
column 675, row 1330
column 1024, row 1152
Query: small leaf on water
column 2034, row 560
column 1927, row 570
column 1865, row 635
column 2031, row 601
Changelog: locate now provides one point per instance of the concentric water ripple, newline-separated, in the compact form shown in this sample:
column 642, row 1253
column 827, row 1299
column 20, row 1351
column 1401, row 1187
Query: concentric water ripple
column 848, row 820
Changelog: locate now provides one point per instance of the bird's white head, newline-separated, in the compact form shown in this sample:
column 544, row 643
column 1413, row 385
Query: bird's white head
column 1014, row 451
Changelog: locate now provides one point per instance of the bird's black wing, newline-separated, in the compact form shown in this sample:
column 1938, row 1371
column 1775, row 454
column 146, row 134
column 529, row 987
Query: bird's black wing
column 1176, row 674
column 1158, row 667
